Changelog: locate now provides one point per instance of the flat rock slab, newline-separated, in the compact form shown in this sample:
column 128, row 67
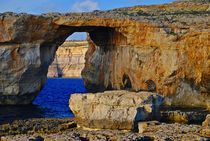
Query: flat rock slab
column 183, row 115
column 114, row 109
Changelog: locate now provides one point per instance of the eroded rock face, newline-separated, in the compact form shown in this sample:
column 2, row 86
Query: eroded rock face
column 69, row 60
column 184, row 116
column 206, row 126
column 162, row 49
column 114, row 109
column 206, row 123
column 27, row 47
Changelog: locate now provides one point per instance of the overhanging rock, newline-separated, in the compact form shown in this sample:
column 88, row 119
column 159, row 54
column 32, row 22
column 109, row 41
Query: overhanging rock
column 163, row 49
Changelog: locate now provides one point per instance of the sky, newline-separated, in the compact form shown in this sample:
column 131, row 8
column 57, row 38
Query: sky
column 64, row 6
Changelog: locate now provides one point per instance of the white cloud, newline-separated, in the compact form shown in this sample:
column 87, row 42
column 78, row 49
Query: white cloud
column 85, row 6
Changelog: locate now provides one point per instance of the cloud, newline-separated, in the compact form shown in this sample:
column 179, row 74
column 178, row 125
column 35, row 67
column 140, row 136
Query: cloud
column 85, row 6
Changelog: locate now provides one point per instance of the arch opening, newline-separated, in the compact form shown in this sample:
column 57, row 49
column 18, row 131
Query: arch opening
column 69, row 58
column 127, row 85
column 63, row 74
column 72, row 57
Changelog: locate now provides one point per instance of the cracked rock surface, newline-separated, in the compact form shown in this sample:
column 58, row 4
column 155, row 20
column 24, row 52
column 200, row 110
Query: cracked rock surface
column 161, row 48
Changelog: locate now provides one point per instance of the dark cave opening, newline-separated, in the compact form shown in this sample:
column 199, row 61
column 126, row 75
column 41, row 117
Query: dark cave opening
column 151, row 86
column 127, row 85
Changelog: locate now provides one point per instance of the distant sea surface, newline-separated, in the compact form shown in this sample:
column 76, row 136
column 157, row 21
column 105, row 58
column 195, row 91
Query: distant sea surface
column 52, row 102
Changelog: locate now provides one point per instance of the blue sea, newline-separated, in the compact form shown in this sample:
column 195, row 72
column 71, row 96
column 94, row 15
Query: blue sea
column 52, row 101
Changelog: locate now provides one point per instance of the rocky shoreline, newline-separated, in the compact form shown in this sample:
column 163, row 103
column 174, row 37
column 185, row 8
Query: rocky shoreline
column 155, row 56
column 114, row 116
column 67, row 130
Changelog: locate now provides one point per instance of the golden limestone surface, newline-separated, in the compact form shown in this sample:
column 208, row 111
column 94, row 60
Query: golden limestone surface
column 163, row 49
column 69, row 60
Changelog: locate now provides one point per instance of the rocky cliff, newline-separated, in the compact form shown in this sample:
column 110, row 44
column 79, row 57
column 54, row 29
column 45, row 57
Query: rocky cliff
column 69, row 59
column 162, row 48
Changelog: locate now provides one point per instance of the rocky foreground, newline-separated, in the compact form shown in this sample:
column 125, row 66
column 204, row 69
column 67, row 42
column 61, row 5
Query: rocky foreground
column 67, row 130
column 114, row 116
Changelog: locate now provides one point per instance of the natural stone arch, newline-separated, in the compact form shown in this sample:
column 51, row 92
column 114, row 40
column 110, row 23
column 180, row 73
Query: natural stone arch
column 33, row 77
column 144, row 43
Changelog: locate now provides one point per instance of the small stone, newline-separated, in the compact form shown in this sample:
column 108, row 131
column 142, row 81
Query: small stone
column 144, row 138
column 168, row 139
column 3, row 139
column 206, row 127
column 206, row 123
column 142, row 126
column 38, row 138
column 68, row 125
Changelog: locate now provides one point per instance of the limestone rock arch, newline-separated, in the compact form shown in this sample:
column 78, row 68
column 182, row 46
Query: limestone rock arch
column 167, row 44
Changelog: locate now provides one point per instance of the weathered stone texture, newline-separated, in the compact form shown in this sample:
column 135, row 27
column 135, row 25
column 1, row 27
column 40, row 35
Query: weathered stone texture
column 183, row 115
column 206, row 123
column 162, row 48
column 69, row 60
column 206, row 126
column 114, row 109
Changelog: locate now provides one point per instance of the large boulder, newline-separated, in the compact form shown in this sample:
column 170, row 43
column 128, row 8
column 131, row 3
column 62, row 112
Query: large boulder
column 114, row 109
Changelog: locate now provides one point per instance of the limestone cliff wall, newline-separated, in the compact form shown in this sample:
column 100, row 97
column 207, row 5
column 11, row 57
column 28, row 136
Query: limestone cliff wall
column 69, row 59
column 162, row 48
